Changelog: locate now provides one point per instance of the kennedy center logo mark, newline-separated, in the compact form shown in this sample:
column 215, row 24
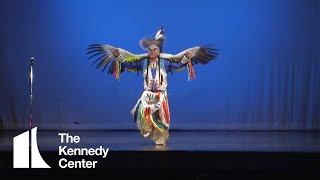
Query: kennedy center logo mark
column 21, row 151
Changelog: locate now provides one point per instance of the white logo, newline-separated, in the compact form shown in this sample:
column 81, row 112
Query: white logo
column 21, row 151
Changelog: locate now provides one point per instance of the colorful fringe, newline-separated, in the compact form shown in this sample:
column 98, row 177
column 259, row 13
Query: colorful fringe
column 191, row 74
column 117, row 70
column 166, row 109
column 153, row 122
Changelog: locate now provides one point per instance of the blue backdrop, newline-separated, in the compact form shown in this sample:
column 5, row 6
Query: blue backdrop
column 267, row 75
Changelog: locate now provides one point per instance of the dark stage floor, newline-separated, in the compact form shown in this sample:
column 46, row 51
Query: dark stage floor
column 188, row 154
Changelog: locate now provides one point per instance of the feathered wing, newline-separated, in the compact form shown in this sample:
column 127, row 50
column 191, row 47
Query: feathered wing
column 198, row 55
column 105, row 56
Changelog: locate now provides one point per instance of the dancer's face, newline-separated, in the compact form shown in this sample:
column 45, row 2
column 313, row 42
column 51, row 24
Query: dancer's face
column 153, row 52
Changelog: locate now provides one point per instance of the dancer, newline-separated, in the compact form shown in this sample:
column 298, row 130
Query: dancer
column 151, row 112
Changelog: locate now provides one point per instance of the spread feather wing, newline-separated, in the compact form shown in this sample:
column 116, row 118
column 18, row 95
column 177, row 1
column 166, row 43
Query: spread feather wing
column 105, row 56
column 198, row 54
